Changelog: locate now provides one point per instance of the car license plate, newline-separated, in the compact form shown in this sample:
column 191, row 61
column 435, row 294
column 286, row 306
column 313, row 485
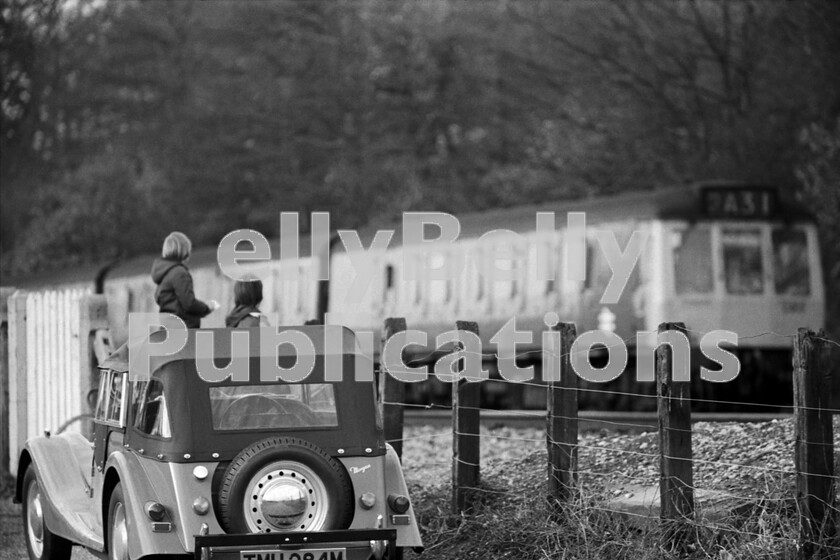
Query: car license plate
column 308, row 554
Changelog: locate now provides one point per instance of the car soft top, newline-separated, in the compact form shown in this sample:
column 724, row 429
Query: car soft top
column 326, row 340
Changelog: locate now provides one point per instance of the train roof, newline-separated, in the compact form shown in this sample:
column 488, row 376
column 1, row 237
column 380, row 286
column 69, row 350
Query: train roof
column 684, row 202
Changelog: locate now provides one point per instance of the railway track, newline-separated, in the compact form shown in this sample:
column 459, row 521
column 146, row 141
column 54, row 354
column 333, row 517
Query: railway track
column 589, row 420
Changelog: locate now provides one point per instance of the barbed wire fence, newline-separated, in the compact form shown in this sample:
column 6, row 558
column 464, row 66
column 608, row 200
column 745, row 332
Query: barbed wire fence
column 786, row 509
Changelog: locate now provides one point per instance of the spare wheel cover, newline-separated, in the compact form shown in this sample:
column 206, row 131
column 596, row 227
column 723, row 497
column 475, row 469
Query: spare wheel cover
column 283, row 484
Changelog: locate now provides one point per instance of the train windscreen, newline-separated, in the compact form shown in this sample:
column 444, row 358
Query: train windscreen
column 745, row 260
column 692, row 258
column 790, row 262
column 742, row 261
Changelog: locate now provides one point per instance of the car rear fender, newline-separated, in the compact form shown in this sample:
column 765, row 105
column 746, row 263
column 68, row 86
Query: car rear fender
column 187, row 488
column 62, row 464
column 381, row 476
column 143, row 480
column 366, row 475
column 408, row 535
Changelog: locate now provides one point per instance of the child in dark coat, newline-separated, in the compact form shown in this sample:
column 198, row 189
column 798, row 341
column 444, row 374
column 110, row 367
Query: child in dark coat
column 174, row 293
column 247, row 296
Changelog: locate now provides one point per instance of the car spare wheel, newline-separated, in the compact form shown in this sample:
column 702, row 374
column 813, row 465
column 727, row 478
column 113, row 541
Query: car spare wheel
column 284, row 484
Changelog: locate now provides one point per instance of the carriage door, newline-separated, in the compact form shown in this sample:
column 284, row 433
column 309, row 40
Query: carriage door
column 109, row 419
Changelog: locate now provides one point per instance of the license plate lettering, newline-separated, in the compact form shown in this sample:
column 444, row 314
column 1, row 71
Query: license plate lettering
column 311, row 554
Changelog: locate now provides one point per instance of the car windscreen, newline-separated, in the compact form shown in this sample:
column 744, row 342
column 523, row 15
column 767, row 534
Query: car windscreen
column 264, row 406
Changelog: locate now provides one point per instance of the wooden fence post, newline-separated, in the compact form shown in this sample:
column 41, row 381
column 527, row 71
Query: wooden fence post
column 814, row 446
column 392, row 392
column 562, row 419
column 466, row 399
column 4, row 377
column 18, row 431
column 676, row 483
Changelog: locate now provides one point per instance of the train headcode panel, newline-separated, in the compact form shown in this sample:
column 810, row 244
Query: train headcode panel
column 740, row 202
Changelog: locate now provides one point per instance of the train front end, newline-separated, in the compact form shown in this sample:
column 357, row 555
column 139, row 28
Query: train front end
column 743, row 259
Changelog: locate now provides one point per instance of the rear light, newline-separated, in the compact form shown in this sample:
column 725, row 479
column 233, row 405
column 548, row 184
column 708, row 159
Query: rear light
column 398, row 503
column 155, row 511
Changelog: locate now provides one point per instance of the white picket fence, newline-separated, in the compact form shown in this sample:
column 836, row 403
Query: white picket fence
column 49, row 362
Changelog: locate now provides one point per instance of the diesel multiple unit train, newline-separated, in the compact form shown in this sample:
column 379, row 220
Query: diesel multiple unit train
column 716, row 256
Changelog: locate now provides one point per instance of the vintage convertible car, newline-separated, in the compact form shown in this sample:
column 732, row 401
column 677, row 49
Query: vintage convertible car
column 245, row 470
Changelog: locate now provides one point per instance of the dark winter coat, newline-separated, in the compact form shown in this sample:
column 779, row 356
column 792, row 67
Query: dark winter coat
column 246, row 316
column 174, row 293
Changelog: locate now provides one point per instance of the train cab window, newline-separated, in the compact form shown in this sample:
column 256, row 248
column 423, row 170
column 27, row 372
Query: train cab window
column 742, row 261
column 790, row 262
column 692, row 249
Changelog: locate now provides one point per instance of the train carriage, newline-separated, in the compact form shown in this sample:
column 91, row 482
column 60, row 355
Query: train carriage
column 717, row 256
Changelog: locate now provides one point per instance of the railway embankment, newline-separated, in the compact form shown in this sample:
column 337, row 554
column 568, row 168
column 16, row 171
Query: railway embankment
column 744, row 480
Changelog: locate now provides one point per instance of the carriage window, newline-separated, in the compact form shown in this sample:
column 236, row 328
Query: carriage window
column 598, row 271
column 790, row 262
column 589, row 280
column 692, row 260
column 389, row 277
column 417, row 282
column 389, row 282
column 153, row 418
column 260, row 407
column 503, row 288
column 743, row 269
column 552, row 251
column 440, row 291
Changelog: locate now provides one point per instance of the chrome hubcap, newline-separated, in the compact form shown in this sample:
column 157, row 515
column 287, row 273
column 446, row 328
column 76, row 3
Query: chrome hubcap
column 35, row 519
column 119, row 534
column 283, row 505
column 286, row 496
